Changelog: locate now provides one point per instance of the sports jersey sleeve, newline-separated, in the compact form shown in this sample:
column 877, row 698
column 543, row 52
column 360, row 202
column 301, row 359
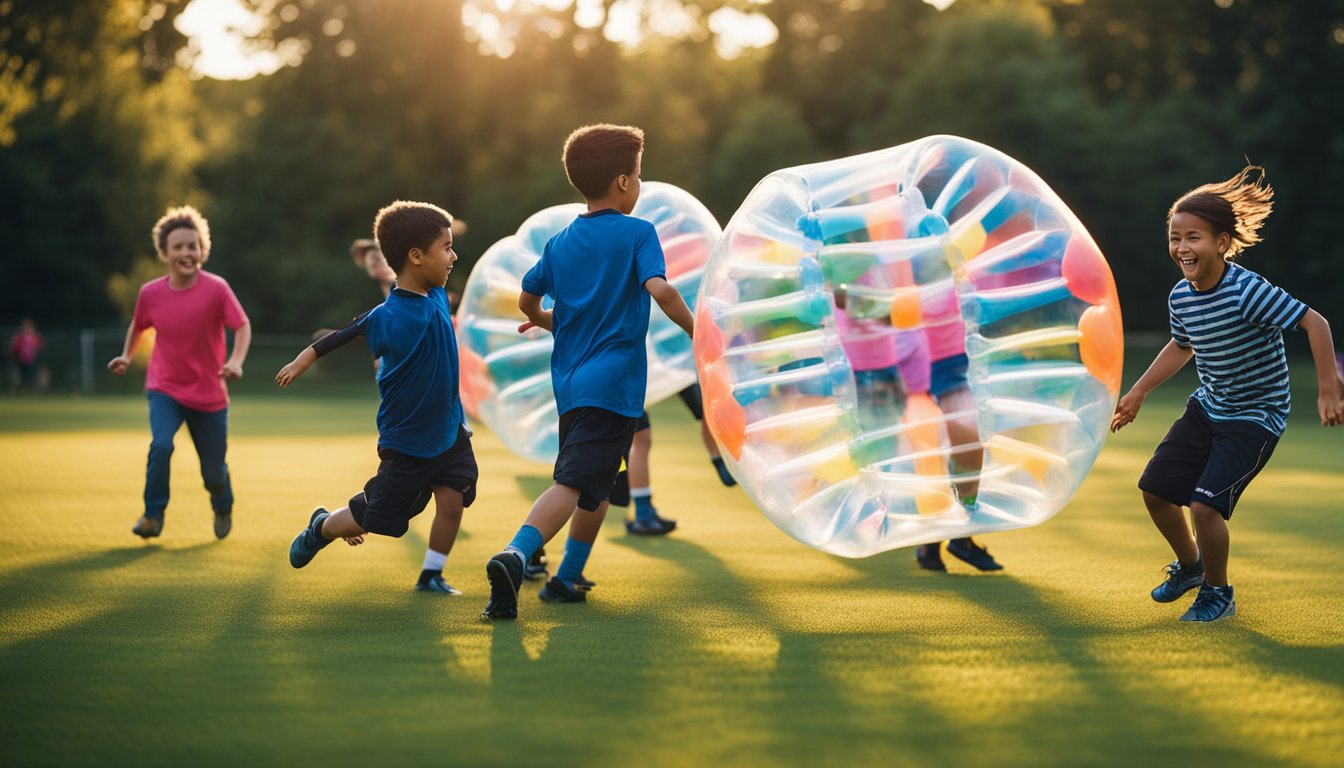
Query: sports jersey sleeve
column 341, row 336
column 537, row 281
column 649, row 261
column 1269, row 306
column 140, row 319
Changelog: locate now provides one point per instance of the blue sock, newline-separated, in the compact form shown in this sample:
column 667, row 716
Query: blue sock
column 527, row 541
column 576, row 557
column 643, row 499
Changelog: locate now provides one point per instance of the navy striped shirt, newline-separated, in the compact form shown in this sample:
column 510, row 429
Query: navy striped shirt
column 1236, row 330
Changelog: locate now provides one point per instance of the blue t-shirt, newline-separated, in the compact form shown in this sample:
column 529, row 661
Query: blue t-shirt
column 595, row 270
column 421, row 411
column 1236, row 330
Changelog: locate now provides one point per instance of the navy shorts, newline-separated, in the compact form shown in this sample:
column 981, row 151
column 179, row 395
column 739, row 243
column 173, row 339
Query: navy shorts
column 404, row 485
column 593, row 443
column 947, row 374
column 694, row 401
column 1207, row 461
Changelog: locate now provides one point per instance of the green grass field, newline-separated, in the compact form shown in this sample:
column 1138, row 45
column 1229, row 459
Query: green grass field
column 726, row 644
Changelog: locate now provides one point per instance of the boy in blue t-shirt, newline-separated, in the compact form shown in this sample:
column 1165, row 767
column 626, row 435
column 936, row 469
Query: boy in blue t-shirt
column 423, row 445
column 601, row 271
column 1231, row 320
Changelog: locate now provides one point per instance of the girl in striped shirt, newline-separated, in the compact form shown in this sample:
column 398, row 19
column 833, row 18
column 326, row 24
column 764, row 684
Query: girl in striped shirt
column 1231, row 321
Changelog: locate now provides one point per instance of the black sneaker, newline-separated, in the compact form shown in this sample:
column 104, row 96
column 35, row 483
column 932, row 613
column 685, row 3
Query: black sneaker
column 536, row 567
column 148, row 527
column 437, row 584
column 307, row 544
column 1212, row 604
column 929, row 557
column 557, row 591
column 654, row 526
column 583, row 583
column 223, row 524
column 1179, row 581
column 966, row 550
column 505, row 572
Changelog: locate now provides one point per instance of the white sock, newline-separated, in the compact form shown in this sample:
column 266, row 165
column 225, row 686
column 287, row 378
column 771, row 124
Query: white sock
column 434, row 561
column 641, row 493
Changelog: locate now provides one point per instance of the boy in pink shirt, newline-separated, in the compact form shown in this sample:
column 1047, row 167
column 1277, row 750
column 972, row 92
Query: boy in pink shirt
column 188, row 308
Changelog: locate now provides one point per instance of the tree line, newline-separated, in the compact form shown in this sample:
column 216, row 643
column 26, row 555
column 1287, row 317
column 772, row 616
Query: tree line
column 1120, row 105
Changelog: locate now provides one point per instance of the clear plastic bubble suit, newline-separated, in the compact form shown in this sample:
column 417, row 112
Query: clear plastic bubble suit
column 506, row 376
column 938, row 243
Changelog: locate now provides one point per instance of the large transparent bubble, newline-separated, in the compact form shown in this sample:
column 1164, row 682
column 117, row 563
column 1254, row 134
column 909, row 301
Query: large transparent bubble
column 506, row 376
column 937, row 247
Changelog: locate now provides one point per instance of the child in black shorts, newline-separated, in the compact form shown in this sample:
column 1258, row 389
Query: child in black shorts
column 423, row 444
column 1231, row 320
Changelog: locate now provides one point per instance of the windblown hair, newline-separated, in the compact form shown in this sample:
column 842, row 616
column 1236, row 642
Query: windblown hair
column 404, row 225
column 1238, row 206
column 182, row 217
column 595, row 155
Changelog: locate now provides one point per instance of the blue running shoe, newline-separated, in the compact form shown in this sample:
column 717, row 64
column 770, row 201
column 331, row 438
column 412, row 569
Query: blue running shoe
column 654, row 526
column 307, row 544
column 1212, row 604
column 505, row 572
column 929, row 556
column 437, row 584
column 557, row 591
column 966, row 550
column 1179, row 581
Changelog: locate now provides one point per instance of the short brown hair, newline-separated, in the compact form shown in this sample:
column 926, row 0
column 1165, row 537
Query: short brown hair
column 595, row 155
column 404, row 225
column 181, row 217
column 1238, row 206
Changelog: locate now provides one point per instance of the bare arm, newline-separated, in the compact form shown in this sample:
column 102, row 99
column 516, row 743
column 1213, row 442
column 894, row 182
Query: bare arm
column 296, row 367
column 530, row 304
column 120, row 363
column 670, row 301
column 1328, row 382
column 242, row 339
column 1171, row 359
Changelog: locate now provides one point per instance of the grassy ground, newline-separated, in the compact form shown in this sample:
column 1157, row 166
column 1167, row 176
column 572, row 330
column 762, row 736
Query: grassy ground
column 727, row 643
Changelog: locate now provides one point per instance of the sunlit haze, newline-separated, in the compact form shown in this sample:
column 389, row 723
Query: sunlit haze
column 219, row 29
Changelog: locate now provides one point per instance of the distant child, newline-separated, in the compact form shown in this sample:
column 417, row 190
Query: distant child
column 25, row 346
column 600, row 270
column 189, row 309
column 369, row 257
column 1231, row 320
column 424, row 447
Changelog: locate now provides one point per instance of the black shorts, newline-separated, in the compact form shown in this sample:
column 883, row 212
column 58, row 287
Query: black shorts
column 1207, row 461
column 693, row 400
column 593, row 443
column 404, row 485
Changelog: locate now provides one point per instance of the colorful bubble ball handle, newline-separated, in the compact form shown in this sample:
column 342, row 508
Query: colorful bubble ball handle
column 506, row 376
column 907, row 346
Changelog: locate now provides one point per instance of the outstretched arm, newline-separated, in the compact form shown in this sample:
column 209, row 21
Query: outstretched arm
column 670, row 301
column 1171, row 359
column 1330, row 402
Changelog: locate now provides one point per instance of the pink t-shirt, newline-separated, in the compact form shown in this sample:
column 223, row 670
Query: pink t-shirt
column 869, row 345
column 189, row 347
column 943, row 324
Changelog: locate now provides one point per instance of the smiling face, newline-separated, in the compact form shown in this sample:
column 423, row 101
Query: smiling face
column 432, row 266
column 1197, row 251
column 183, row 254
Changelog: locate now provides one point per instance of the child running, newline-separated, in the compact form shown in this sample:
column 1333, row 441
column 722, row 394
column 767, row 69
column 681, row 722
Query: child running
column 1231, row 320
column 188, row 308
column 424, row 447
column 601, row 271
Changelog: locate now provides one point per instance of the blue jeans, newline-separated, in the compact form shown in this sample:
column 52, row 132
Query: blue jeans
column 209, row 431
